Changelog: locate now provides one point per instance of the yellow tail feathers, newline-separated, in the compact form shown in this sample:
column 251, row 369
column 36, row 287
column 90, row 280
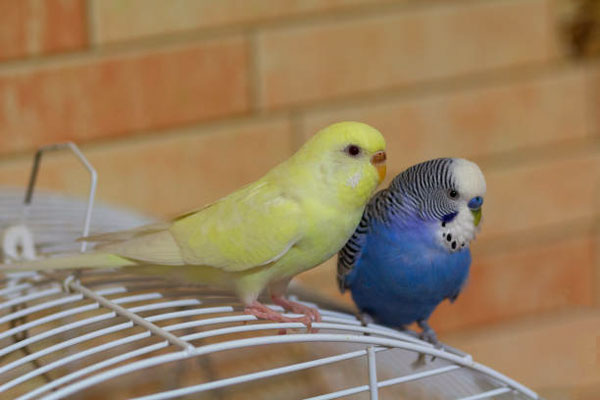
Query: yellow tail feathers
column 73, row 261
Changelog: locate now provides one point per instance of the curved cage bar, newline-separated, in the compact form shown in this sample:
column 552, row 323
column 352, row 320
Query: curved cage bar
column 76, row 341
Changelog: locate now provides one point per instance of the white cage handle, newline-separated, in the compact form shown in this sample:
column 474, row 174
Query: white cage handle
column 84, row 161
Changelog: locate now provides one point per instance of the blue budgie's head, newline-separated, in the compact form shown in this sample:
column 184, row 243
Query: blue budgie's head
column 448, row 192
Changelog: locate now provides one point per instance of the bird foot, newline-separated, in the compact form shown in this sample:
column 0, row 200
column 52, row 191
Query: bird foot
column 428, row 334
column 261, row 311
column 430, row 337
column 365, row 319
column 297, row 308
column 421, row 361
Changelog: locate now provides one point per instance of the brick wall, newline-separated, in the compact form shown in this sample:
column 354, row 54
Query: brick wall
column 180, row 102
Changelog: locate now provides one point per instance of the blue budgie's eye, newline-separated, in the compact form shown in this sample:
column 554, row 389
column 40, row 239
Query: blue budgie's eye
column 453, row 194
column 475, row 203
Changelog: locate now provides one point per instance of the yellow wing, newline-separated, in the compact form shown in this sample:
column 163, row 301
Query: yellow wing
column 252, row 227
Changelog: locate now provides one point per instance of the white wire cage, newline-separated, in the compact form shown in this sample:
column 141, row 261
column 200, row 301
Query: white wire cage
column 110, row 334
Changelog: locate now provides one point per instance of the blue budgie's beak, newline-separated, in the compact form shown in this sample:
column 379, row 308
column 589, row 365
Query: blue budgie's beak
column 475, row 206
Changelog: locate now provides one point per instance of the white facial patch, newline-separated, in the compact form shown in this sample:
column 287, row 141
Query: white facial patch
column 469, row 179
column 458, row 233
column 354, row 180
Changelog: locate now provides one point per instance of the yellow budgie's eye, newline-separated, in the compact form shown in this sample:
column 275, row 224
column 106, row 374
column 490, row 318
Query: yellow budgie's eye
column 352, row 150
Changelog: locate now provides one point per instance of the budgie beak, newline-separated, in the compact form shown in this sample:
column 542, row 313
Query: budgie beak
column 476, row 216
column 475, row 206
column 378, row 161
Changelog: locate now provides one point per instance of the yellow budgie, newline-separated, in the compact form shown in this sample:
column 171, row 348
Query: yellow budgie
column 295, row 217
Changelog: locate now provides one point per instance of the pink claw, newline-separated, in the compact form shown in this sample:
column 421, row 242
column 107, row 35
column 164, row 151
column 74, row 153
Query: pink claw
column 261, row 311
column 298, row 308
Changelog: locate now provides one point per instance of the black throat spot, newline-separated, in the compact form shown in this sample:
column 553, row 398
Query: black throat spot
column 448, row 218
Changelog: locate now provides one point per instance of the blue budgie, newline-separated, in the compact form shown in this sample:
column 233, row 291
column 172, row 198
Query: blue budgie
column 411, row 248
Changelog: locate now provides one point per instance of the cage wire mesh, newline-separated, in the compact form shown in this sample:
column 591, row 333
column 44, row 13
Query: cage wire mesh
column 111, row 335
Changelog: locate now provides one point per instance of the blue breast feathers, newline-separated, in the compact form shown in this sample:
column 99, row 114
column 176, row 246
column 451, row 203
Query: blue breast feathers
column 403, row 273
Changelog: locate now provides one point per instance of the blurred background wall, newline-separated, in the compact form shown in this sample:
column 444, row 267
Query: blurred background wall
column 179, row 102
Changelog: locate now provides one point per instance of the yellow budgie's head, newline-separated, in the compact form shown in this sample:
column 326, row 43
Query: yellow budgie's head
column 348, row 157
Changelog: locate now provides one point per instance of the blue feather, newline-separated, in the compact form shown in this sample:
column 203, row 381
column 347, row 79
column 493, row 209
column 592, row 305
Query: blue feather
column 449, row 217
column 404, row 273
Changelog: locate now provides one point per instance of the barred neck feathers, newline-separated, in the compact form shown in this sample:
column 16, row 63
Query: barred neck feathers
column 389, row 206
column 420, row 187
column 411, row 195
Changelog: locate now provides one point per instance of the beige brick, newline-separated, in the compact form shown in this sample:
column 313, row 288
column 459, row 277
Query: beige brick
column 472, row 122
column 169, row 174
column 522, row 281
column 31, row 27
column 310, row 63
column 121, row 94
column 540, row 195
column 580, row 392
column 118, row 20
column 554, row 351
column 593, row 74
